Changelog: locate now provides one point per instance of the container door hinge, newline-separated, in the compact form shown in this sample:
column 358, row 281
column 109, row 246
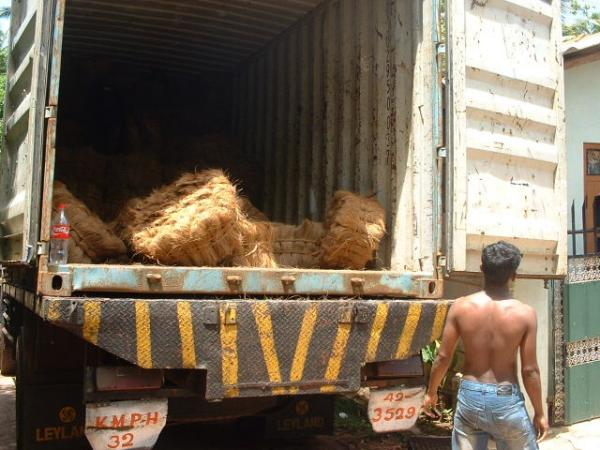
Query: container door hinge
column 29, row 254
column 442, row 152
column 442, row 261
column 50, row 112
column 42, row 248
column 440, row 48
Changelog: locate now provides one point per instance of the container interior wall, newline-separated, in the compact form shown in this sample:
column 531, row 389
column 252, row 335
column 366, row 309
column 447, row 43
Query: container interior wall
column 343, row 100
column 338, row 98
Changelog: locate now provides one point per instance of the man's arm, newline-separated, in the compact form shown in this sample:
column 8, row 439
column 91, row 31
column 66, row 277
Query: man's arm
column 530, row 372
column 444, row 358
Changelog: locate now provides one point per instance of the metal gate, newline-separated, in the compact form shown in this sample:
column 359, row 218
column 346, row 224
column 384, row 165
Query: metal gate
column 577, row 333
column 582, row 339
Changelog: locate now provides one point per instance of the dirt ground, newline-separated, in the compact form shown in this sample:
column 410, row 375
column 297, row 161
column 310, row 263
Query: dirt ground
column 7, row 414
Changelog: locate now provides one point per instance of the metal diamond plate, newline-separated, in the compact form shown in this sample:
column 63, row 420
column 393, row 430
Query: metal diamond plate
column 255, row 348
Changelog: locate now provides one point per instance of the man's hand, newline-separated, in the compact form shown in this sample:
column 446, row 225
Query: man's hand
column 429, row 405
column 541, row 426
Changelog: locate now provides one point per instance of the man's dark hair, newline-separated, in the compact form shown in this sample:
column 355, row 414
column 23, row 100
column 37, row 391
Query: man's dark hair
column 499, row 262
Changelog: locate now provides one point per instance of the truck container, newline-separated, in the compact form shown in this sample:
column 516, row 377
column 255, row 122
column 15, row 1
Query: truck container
column 452, row 118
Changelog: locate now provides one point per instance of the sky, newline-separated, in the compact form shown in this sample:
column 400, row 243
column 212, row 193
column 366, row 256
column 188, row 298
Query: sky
column 595, row 4
column 4, row 22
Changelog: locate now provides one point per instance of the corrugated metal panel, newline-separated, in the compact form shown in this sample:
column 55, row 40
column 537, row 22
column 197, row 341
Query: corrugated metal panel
column 21, row 160
column 183, row 35
column 339, row 99
column 347, row 104
column 508, row 152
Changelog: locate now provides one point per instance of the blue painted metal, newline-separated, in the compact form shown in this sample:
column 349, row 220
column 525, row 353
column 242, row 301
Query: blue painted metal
column 226, row 280
column 438, row 128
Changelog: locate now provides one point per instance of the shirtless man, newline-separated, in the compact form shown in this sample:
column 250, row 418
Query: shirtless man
column 493, row 327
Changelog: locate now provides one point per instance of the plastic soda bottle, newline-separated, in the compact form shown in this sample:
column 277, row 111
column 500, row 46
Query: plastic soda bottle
column 59, row 238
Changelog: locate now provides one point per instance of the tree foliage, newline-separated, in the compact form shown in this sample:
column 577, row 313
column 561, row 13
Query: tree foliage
column 583, row 18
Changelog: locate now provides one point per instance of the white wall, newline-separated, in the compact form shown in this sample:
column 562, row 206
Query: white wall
column 582, row 96
column 533, row 293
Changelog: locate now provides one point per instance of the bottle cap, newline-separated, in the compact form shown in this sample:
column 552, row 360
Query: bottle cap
column 62, row 206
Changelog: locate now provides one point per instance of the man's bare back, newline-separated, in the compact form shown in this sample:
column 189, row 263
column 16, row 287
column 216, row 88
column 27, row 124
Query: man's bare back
column 492, row 332
column 494, row 328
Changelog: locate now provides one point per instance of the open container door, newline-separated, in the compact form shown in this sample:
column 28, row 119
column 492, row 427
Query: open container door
column 21, row 159
column 507, row 161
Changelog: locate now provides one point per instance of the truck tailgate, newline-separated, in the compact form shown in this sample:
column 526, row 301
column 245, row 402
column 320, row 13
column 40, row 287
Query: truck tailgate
column 252, row 348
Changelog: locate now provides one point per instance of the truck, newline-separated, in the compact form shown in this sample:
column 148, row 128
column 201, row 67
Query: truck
column 451, row 113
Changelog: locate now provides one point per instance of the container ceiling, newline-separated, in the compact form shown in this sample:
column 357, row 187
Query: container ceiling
column 183, row 35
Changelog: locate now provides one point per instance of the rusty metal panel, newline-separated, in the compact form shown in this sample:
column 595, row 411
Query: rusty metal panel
column 23, row 146
column 236, row 281
column 508, row 155
column 51, row 127
column 349, row 103
column 255, row 348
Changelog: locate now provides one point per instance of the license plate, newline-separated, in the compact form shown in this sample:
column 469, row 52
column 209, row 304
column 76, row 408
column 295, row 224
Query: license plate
column 125, row 425
column 395, row 409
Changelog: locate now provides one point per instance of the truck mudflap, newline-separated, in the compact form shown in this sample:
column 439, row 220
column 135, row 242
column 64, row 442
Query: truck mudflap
column 254, row 348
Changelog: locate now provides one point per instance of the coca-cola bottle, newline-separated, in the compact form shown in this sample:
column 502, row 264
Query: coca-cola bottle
column 59, row 238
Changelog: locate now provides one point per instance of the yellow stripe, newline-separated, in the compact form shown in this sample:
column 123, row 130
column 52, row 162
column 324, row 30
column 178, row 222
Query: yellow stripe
column 337, row 355
column 53, row 311
column 91, row 321
column 438, row 322
column 306, row 332
column 229, row 354
column 408, row 332
column 378, row 326
column 186, row 331
column 144, row 336
column 267, row 342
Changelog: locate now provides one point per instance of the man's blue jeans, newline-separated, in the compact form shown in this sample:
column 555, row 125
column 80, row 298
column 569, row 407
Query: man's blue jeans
column 492, row 410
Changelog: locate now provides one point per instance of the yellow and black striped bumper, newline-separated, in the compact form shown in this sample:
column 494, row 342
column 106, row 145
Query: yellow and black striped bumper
column 253, row 348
